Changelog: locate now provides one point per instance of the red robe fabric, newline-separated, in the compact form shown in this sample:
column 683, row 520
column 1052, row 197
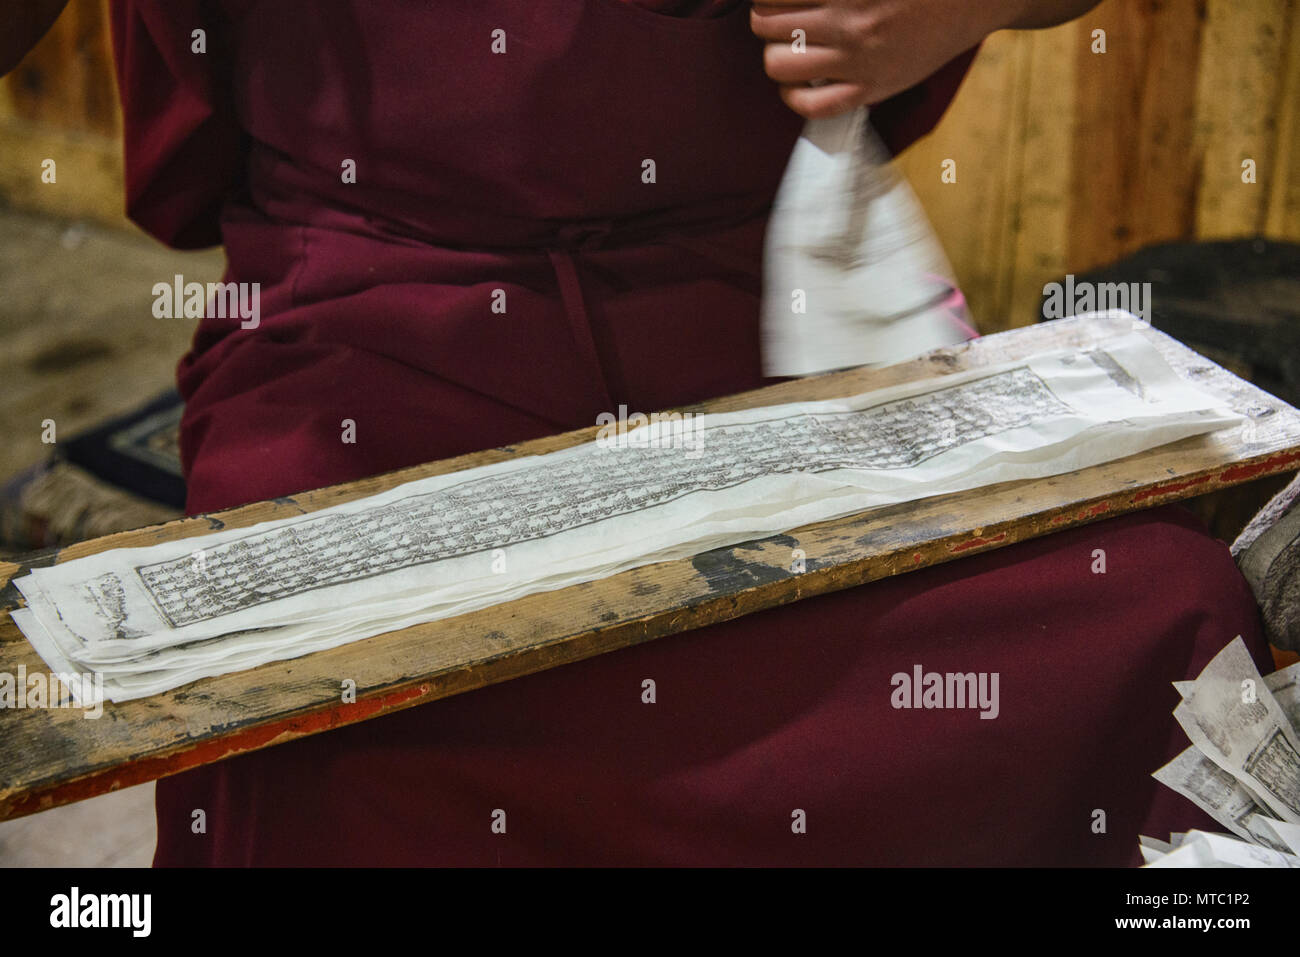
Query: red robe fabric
column 385, row 175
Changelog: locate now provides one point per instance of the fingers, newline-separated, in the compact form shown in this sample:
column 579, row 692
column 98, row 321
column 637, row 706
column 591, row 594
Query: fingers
column 820, row 101
column 778, row 24
column 807, row 43
column 815, row 63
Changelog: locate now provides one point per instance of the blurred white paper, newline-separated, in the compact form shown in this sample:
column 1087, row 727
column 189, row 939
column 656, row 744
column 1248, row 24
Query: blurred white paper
column 853, row 274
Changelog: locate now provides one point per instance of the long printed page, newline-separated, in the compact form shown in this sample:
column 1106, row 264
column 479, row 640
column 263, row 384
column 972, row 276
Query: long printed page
column 151, row 619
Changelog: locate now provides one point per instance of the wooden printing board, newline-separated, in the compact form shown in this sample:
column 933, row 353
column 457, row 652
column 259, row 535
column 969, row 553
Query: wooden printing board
column 55, row 756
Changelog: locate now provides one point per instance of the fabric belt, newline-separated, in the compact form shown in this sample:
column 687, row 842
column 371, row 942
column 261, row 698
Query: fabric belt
column 571, row 239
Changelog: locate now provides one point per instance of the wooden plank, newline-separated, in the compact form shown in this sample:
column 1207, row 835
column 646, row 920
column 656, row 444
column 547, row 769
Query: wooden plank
column 1134, row 174
column 1284, row 194
column 66, row 81
column 980, row 134
column 53, row 756
column 1240, row 84
column 1041, row 225
column 1142, row 144
column 61, row 103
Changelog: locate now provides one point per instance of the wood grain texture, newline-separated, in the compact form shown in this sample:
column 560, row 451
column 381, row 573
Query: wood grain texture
column 89, row 182
column 1041, row 223
column 973, row 217
column 61, row 103
column 1284, row 182
column 1242, row 81
column 53, row 756
column 1134, row 174
column 66, row 80
column 1071, row 159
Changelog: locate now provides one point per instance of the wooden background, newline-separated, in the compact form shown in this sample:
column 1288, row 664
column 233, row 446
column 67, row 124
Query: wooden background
column 1066, row 158
column 1069, row 159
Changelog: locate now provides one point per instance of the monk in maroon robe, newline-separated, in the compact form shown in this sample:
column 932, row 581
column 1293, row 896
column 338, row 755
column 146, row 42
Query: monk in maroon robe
column 387, row 171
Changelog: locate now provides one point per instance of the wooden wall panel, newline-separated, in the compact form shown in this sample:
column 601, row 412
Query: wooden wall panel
column 976, row 215
column 1042, row 206
column 1284, row 194
column 61, row 103
column 1242, row 80
column 1102, row 154
column 66, row 82
column 1135, row 175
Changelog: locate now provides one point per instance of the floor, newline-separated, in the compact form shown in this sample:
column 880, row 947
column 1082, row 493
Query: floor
column 81, row 344
column 115, row 830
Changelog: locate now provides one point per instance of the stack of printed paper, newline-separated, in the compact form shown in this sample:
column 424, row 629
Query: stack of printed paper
column 1243, row 767
column 151, row 619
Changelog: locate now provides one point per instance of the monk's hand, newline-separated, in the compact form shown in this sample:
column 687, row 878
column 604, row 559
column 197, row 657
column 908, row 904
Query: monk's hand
column 831, row 56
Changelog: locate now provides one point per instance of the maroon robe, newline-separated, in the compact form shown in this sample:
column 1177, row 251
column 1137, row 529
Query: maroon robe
column 524, row 171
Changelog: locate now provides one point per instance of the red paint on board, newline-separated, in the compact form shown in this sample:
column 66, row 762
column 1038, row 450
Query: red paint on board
column 1170, row 488
column 977, row 542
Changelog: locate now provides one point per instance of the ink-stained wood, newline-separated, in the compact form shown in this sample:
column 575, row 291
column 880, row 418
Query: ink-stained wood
column 53, row 756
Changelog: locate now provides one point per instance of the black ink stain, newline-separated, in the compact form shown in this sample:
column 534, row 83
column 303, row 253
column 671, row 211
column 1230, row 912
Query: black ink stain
column 641, row 589
column 757, row 546
column 726, row 571
column 10, row 596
